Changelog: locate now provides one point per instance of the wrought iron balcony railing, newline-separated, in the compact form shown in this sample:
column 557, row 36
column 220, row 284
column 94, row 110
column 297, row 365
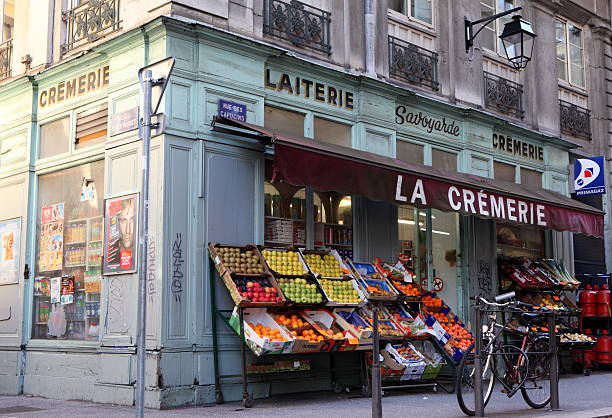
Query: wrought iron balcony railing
column 412, row 63
column 303, row 25
column 90, row 21
column 6, row 56
column 503, row 95
column 574, row 120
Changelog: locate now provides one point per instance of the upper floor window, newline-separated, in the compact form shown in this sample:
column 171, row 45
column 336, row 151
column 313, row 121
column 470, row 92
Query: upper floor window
column 490, row 33
column 570, row 61
column 7, row 22
column 8, row 19
column 417, row 9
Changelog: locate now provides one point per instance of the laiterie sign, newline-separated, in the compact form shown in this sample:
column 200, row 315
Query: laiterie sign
column 480, row 203
column 517, row 147
column 309, row 89
column 589, row 176
column 426, row 122
column 75, row 87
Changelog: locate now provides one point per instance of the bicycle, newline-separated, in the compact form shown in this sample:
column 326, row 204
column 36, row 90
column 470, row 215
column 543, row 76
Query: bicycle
column 524, row 368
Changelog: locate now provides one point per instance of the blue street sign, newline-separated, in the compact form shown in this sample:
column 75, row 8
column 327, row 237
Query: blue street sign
column 589, row 176
column 232, row 110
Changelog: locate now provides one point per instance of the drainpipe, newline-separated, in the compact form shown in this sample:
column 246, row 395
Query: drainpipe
column 370, row 38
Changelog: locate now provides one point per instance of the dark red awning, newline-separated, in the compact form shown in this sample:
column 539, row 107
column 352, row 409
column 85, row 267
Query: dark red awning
column 328, row 167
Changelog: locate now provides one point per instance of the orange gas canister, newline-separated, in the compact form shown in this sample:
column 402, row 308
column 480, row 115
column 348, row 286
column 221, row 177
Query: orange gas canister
column 603, row 348
column 603, row 301
column 587, row 299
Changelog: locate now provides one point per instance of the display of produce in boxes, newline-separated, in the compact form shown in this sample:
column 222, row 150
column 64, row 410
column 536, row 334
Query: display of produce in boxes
column 542, row 274
column 301, row 290
column 407, row 289
column 324, row 263
column 341, row 292
column 284, row 262
column 242, row 260
column 432, row 301
column 267, row 332
column 374, row 285
column 257, row 289
column 576, row 337
column 298, row 327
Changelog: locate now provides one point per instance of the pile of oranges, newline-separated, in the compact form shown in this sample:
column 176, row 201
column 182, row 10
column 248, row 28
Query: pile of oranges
column 310, row 335
column 456, row 330
column 432, row 301
column 331, row 334
column 409, row 289
column 439, row 316
column 291, row 321
column 462, row 344
column 266, row 332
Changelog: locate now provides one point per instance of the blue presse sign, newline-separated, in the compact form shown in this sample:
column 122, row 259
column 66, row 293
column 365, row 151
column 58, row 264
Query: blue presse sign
column 589, row 176
column 232, row 110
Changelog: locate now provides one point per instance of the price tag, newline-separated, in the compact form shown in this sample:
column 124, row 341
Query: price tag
column 296, row 364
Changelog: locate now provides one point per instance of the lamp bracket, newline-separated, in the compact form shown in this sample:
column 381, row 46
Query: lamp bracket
column 469, row 26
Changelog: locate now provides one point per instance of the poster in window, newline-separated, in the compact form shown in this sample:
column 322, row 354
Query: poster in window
column 120, row 237
column 51, row 238
column 10, row 231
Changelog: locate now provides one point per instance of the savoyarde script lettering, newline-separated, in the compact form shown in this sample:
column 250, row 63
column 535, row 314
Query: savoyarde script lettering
column 430, row 124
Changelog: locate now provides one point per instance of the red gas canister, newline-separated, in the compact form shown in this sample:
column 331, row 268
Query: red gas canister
column 587, row 299
column 603, row 301
column 603, row 348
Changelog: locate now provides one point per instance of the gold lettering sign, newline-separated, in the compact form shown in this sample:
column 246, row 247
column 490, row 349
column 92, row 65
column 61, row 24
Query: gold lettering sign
column 78, row 86
column 517, row 147
column 310, row 89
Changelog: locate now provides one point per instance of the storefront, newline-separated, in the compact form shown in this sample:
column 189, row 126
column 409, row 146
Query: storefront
column 357, row 165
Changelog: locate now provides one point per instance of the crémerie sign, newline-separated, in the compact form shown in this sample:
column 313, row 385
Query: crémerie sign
column 518, row 148
column 309, row 89
column 77, row 86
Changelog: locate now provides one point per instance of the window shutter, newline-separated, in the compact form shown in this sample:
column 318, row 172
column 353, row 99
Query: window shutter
column 92, row 125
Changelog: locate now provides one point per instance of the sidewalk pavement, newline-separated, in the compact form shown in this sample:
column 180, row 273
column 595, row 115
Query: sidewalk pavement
column 581, row 397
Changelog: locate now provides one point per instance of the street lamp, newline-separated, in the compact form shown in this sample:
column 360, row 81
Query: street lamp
column 517, row 37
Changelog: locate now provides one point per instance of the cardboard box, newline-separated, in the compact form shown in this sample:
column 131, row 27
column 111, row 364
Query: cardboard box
column 284, row 250
column 260, row 345
column 228, row 280
column 356, row 287
column 345, row 269
column 363, row 334
column 323, row 320
column 301, row 345
column 221, row 265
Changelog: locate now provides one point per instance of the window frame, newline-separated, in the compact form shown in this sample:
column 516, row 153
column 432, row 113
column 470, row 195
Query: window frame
column 569, row 81
column 412, row 19
column 497, row 29
column 73, row 151
column 2, row 3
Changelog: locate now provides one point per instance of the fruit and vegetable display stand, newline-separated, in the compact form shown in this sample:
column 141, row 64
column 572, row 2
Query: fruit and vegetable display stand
column 292, row 304
column 546, row 285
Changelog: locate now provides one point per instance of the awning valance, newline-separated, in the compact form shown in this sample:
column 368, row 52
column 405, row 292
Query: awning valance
column 328, row 167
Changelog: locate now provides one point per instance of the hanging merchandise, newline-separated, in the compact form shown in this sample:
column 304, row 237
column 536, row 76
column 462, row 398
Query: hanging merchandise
column 67, row 295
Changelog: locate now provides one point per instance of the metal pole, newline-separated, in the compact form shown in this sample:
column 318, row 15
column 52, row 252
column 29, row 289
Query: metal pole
column 478, row 398
column 554, row 363
column 429, row 232
column 376, row 383
column 142, row 240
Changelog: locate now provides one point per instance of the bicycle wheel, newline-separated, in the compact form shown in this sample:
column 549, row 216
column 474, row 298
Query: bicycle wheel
column 513, row 367
column 536, row 389
column 465, row 380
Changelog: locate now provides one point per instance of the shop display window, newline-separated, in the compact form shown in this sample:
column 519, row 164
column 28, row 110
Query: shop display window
column 69, row 236
column 409, row 152
column 531, row 178
column 54, row 138
column 519, row 241
column 332, row 132
column 443, row 160
column 445, row 241
column 285, row 217
column 505, row 172
column 284, row 122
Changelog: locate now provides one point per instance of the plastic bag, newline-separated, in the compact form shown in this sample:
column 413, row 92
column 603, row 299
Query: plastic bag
column 56, row 325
